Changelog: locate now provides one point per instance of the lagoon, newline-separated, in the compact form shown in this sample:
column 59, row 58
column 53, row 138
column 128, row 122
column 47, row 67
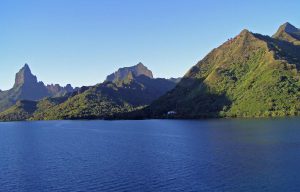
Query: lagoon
column 151, row 155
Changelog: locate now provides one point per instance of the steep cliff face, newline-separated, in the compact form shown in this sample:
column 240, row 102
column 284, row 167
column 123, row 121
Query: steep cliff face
column 25, row 77
column 27, row 87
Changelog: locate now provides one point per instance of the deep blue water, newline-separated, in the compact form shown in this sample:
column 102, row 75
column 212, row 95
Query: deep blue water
column 154, row 155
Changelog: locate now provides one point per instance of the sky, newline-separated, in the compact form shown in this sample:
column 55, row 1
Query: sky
column 82, row 41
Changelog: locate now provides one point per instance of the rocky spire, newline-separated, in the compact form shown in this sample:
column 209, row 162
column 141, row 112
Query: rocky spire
column 24, row 76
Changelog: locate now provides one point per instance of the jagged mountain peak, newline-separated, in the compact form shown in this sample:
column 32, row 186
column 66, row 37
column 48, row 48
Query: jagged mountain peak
column 24, row 76
column 26, row 66
column 288, row 32
column 27, row 87
column 134, row 71
column 26, row 69
column 140, row 64
column 288, row 27
column 57, row 90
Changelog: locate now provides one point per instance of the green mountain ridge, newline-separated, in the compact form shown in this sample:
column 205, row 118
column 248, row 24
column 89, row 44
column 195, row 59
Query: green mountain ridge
column 250, row 75
column 104, row 100
column 21, row 110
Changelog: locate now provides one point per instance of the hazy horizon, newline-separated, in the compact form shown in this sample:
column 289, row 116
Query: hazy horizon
column 80, row 42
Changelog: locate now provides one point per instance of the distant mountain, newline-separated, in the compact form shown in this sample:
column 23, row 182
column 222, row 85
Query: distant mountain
column 57, row 90
column 250, row 75
column 27, row 87
column 133, row 88
column 288, row 32
column 175, row 80
column 126, row 72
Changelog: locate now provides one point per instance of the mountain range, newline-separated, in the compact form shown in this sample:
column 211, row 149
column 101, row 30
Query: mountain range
column 125, row 90
column 250, row 75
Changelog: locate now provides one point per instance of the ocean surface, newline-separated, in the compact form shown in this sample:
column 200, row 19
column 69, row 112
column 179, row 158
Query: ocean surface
column 151, row 155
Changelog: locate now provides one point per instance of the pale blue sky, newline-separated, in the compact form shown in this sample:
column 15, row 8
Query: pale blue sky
column 82, row 41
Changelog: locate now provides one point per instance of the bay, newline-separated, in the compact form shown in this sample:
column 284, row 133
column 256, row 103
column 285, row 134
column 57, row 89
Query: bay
column 151, row 155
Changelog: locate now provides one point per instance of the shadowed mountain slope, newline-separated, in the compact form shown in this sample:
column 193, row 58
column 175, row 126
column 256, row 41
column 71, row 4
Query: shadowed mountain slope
column 288, row 32
column 250, row 75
